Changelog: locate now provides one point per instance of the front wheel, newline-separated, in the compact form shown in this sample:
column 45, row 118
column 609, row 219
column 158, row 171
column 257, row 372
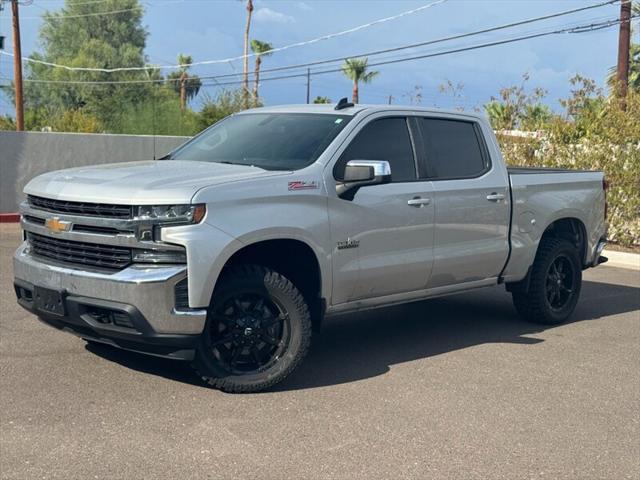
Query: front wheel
column 258, row 330
column 554, row 285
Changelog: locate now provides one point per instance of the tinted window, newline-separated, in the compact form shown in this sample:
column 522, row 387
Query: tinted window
column 384, row 139
column 452, row 148
column 273, row 141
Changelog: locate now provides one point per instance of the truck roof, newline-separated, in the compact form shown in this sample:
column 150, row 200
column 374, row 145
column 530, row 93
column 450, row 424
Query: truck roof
column 329, row 108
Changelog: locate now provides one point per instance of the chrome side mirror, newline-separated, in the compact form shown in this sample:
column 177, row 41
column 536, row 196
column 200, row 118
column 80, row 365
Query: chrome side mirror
column 362, row 173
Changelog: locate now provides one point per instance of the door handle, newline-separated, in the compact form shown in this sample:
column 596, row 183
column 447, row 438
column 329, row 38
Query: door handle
column 495, row 197
column 418, row 202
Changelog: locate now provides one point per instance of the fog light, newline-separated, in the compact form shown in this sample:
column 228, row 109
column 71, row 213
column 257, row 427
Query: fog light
column 159, row 256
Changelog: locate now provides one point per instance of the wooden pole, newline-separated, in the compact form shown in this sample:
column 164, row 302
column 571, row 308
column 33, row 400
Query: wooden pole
column 624, row 44
column 17, row 67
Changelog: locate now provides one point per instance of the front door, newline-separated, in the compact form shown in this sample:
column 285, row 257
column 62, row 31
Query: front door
column 383, row 238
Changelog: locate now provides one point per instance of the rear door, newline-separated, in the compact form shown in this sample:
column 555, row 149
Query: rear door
column 383, row 238
column 471, row 198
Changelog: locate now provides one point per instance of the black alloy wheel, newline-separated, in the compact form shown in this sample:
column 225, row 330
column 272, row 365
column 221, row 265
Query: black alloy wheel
column 554, row 283
column 258, row 330
column 249, row 332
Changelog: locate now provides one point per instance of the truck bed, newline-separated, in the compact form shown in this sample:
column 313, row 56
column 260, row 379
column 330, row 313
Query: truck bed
column 542, row 195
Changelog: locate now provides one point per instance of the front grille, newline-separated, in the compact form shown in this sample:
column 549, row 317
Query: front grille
column 80, row 253
column 81, row 208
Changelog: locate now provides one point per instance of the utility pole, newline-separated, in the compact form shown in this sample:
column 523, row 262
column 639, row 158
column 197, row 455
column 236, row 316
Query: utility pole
column 308, row 85
column 624, row 39
column 391, row 97
column 17, row 67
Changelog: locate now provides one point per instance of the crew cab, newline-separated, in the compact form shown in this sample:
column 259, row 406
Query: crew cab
column 231, row 250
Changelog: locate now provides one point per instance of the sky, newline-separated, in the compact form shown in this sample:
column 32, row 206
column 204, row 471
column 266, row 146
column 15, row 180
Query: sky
column 213, row 29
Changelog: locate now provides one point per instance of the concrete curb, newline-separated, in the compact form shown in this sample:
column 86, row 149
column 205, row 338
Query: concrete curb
column 622, row 259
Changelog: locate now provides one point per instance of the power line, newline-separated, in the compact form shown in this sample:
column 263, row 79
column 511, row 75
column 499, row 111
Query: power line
column 241, row 57
column 577, row 30
column 582, row 29
column 439, row 40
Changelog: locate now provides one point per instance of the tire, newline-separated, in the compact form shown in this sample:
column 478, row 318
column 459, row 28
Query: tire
column 257, row 332
column 553, row 290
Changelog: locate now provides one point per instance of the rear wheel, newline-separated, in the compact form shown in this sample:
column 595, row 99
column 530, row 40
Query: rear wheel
column 554, row 285
column 258, row 330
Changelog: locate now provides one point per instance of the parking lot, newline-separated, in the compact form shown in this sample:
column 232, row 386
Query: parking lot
column 455, row 387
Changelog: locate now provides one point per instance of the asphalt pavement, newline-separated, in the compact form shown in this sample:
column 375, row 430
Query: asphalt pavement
column 454, row 387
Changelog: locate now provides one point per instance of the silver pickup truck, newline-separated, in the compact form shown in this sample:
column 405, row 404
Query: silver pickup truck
column 231, row 250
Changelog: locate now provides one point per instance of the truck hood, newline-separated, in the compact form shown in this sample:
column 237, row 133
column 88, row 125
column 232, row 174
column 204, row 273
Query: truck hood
column 131, row 183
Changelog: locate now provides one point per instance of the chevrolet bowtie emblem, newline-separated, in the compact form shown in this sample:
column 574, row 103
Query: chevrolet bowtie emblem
column 55, row 225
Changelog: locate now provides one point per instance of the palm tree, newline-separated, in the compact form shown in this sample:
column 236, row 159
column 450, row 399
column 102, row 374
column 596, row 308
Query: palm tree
column 535, row 117
column 183, row 83
column 245, row 70
column 356, row 70
column 501, row 116
column 261, row 49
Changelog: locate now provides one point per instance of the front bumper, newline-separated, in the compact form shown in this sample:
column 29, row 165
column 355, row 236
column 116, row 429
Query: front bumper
column 144, row 295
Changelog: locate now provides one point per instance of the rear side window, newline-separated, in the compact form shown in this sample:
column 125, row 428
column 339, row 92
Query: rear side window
column 384, row 139
column 453, row 148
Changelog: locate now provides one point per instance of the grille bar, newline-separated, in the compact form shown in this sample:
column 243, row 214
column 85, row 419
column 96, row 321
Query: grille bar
column 80, row 253
column 81, row 208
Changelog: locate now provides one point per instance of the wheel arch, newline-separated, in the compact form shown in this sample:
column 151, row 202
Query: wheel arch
column 569, row 228
column 292, row 257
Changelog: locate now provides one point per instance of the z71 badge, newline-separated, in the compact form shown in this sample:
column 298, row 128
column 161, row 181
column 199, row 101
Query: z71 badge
column 302, row 185
column 348, row 244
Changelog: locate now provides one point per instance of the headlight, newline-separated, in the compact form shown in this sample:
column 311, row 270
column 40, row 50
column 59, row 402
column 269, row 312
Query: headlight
column 171, row 213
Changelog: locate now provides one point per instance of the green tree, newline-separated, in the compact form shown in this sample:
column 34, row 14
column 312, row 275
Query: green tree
column 261, row 49
column 184, row 84
column 76, row 121
column 7, row 123
column 225, row 103
column 535, row 117
column 585, row 106
column 355, row 69
column 501, row 115
column 320, row 99
column 70, row 36
column 514, row 104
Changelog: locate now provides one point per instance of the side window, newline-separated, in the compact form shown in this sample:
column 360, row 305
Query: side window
column 453, row 149
column 384, row 139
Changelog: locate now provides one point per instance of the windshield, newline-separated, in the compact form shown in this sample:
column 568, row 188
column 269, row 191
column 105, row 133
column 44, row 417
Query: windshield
column 272, row 141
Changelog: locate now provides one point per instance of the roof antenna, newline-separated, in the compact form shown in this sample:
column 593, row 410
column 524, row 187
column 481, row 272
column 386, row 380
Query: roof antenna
column 343, row 103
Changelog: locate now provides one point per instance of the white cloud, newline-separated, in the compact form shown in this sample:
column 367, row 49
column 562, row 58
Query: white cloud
column 304, row 6
column 266, row 15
